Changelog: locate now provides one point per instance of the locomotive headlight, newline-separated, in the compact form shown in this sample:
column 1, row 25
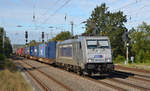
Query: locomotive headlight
column 108, row 59
column 89, row 60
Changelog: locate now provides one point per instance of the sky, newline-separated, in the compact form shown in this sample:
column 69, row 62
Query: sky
column 50, row 16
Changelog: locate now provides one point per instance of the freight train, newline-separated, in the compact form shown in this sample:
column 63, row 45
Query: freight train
column 90, row 54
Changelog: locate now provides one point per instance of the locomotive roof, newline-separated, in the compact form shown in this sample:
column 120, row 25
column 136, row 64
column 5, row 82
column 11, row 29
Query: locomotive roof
column 81, row 38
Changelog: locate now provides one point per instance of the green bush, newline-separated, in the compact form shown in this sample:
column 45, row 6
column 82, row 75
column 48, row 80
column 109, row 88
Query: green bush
column 2, row 62
column 119, row 59
column 140, row 56
column 7, row 63
column 147, row 61
column 10, row 65
column 2, row 57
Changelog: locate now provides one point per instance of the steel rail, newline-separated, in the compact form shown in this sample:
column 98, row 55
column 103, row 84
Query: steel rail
column 132, row 77
column 130, row 84
column 131, row 69
column 97, row 81
column 107, row 84
column 36, row 79
column 50, row 77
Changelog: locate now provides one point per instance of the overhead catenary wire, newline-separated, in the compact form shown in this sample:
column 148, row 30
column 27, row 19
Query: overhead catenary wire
column 136, row 15
column 42, row 15
column 34, row 14
column 127, row 5
column 58, row 9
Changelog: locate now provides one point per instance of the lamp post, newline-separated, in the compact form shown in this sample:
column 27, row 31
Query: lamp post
column 51, row 33
column 72, row 24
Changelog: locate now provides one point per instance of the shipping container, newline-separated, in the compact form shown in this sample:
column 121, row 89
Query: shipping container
column 51, row 50
column 23, row 53
column 19, row 51
column 42, row 50
column 31, row 50
column 28, row 51
column 36, row 51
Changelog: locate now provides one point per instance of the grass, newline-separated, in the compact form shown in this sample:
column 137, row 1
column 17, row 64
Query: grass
column 11, row 79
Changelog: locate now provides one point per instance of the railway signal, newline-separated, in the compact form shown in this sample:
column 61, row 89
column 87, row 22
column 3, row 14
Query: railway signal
column 26, row 36
column 125, row 38
column 43, row 37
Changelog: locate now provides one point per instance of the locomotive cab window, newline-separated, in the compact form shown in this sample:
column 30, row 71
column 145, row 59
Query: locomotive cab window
column 97, row 44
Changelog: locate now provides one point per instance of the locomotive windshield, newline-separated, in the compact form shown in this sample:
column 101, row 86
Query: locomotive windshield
column 97, row 44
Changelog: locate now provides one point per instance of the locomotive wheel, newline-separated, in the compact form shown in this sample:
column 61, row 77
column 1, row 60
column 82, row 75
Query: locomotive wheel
column 68, row 69
column 83, row 73
column 79, row 72
column 90, row 74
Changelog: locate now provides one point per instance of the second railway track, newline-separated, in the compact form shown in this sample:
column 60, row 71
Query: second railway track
column 48, row 76
column 126, row 86
column 109, row 85
column 40, row 83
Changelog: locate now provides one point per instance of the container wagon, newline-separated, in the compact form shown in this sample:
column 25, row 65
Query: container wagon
column 50, row 52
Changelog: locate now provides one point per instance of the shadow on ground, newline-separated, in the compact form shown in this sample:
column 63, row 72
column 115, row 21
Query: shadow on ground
column 114, row 74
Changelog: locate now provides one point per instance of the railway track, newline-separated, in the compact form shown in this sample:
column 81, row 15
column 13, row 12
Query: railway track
column 130, row 85
column 135, row 71
column 121, row 82
column 134, row 76
column 140, row 73
column 107, row 84
column 131, row 69
column 50, row 77
column 40, row 83
column 116, row 87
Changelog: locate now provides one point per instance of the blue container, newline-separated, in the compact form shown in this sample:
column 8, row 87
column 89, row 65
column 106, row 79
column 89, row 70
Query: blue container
column 28, row 51
column 42, row 50
column 36, row 52
column 21, row 51
column 31, row 50
column 51, row 50
column 25, row 51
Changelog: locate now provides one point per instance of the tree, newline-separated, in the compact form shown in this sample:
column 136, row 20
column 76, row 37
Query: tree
column 8, row 47
column 1, row 40
column 104, row 23
column 33, row 43
column 62, row 36
column 140, row 42
column 7, row 50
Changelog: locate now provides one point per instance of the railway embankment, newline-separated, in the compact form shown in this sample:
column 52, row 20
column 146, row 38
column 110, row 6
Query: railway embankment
column 10, row 78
